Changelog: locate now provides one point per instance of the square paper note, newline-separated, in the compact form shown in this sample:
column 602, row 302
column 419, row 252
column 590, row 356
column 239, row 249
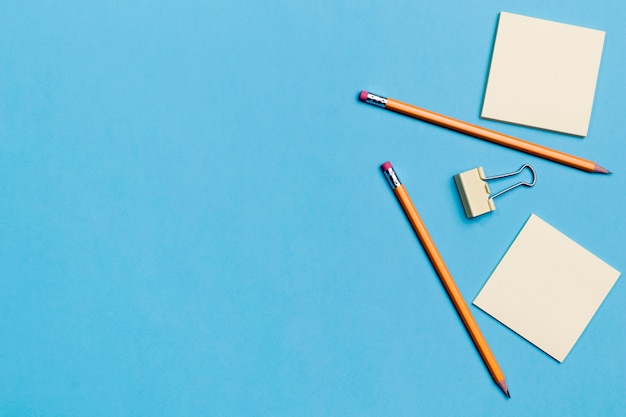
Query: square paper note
column 543, row 74
column 546, row 288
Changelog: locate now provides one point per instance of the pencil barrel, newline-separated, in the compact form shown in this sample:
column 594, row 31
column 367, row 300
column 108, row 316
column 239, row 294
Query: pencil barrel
column 490, row 135
column 448, row 282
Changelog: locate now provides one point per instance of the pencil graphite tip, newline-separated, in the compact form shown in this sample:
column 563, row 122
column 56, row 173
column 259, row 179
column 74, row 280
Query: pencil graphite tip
column 363, row 95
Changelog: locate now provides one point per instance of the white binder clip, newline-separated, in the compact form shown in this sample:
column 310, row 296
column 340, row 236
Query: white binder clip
column 474, row 190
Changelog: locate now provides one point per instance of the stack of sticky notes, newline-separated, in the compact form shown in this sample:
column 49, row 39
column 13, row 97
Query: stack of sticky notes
column 543, row 74
column 546, row 288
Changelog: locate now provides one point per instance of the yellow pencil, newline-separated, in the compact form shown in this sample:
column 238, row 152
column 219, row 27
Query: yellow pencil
column 446, row 279
column 482, row 133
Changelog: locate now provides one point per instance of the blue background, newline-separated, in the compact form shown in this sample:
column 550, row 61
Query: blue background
column 193, row 220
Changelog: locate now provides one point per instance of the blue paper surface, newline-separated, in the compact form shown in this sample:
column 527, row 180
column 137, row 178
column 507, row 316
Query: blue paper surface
column 193, row 219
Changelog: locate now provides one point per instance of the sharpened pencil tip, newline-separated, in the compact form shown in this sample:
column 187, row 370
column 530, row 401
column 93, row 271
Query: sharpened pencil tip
column 504, row 387
column 597, row 168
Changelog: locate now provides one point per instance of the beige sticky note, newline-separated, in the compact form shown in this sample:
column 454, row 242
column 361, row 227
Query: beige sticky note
column 543, row 74
column 546, row 288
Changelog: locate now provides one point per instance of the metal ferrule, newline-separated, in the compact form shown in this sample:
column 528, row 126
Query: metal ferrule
column 376, row 100
column 393, row 179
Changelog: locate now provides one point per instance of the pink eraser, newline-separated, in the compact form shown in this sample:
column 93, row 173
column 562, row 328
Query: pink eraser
column 363, row 95
column 386, row 166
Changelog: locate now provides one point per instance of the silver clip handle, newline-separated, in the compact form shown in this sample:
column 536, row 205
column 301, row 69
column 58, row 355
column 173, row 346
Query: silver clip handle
column 527, row 184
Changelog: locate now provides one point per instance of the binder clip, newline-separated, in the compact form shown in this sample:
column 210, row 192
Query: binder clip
column 474, row 190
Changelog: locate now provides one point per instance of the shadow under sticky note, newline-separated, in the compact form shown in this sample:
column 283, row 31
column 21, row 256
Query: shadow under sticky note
column 546, row 288
column 543, row 74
